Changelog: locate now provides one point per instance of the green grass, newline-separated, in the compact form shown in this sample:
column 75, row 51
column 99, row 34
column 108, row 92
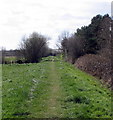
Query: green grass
column 50, row 58
column 13, row 59
column 24, row 89
column 85, row 97
column 9, row 59
column 53, row 88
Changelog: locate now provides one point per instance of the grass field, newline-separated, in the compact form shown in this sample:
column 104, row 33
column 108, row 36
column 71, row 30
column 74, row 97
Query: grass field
column 50, row 89
column 10, row 59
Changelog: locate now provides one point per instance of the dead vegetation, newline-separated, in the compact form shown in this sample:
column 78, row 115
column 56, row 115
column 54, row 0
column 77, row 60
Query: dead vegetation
column 97, row 66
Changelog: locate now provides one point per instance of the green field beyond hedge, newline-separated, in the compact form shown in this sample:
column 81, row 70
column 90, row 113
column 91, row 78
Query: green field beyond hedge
column 50, row 89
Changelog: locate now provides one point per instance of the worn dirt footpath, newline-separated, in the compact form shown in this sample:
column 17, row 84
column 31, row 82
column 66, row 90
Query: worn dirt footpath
column 53, row 103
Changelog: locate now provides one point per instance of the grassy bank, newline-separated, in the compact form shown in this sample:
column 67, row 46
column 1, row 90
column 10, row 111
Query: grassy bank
column 50, row 89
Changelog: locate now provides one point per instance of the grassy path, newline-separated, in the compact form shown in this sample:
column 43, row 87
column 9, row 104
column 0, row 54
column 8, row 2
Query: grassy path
column 53, row 103
column 52, row 89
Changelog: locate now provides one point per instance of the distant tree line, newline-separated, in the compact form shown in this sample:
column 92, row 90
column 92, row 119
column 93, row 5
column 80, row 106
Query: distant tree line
column 91, row 39
column 31, row 50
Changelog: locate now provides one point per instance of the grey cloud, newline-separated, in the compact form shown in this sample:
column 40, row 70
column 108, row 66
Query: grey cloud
column 17, row 12
column 15, row 22
column 50, row 18
column 100, row 8
column 37, row 5
column 72, row 17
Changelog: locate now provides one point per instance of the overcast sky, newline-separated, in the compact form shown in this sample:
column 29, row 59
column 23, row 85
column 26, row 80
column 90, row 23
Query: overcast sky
column 48, row 17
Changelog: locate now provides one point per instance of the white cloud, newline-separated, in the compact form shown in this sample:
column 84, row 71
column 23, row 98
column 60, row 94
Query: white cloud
column 49, row 17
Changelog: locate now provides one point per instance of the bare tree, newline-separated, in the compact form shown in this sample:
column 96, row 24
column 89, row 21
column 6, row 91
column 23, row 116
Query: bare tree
column 34, row 47
column 71, row 45
column 63, row 40
column 75, row 48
